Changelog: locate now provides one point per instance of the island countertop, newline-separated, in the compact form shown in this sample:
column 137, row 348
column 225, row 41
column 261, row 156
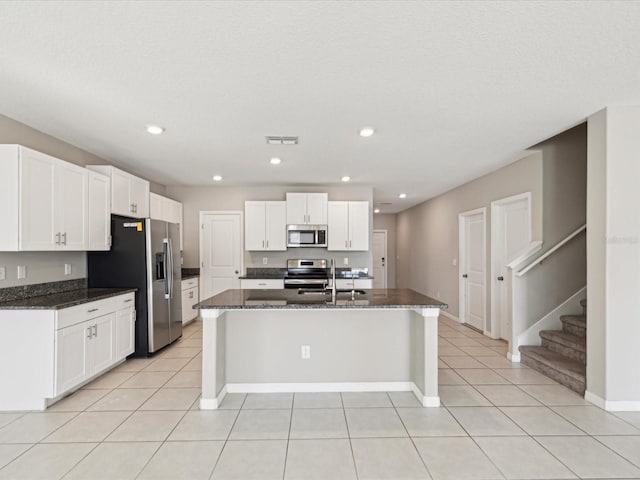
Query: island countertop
column 390, row 298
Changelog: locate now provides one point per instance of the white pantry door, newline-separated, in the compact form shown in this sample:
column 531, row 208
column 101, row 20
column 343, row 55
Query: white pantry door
column 472, row 260
column 220, row 252
column 380, row 259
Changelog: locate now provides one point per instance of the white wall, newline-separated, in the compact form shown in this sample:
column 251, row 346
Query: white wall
column 197, row 199
column 613, row 264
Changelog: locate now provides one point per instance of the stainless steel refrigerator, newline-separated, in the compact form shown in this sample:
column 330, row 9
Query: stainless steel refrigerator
column 145, row 254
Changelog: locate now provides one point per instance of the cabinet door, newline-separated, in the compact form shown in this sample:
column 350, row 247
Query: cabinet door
column 99, row 207
column 189, row 299
column 37, row 228
column 125, row 323
column 317, row 208
column 254, row 226
column 70, row 199
column 72, row 356
column 102, row 347
column 359, row 226
column 120, row 200
column 296, row 208
column 338, row 226
column 363, row 283
column 174, row 214
column 139, row 195
column 155, row 206
column 275, row 225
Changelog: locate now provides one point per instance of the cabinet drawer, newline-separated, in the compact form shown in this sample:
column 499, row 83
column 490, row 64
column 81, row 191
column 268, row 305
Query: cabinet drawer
column 363, row 283
column 72, row 315
column 189, row 283
column 262, row 284
column 342, row 283
column 125, row 301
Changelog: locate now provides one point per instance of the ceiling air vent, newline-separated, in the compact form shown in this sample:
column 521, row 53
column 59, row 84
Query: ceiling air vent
column 271, row 140
column 386, row 203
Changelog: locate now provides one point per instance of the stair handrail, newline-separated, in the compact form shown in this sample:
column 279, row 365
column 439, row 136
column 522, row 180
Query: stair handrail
column 551, row 251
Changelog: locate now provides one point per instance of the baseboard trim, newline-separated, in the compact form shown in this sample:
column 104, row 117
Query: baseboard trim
column 449, row 316
column 514, row 357
column 612, row 405
column 213, row 403
column 319, row 387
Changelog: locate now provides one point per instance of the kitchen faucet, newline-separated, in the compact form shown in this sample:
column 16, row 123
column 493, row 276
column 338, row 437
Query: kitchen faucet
column 333, row 278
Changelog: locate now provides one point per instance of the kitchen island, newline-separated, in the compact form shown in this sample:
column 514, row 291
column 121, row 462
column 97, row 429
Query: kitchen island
column 286, row 341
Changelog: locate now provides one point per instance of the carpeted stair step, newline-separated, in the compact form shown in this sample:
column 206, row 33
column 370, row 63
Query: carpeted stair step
column 574, row 324
column 571, row 346
column 569, row 373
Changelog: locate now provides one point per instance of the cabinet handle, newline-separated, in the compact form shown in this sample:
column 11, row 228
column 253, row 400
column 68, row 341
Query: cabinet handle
column 129, row 300
column 135, row 206
column 190, row 294
column 131, row 207
column 58, row 238
column 346, row 244
column 93, row 310
column 95, row 330
column 350, row 244
column 267, row 243
column 262, row 243
column 88, row 332
column 64, row 238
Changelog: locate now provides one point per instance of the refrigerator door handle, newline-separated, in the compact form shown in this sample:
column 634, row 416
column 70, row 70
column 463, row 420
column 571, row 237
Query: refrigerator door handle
column 170, row 277
column 167, row 256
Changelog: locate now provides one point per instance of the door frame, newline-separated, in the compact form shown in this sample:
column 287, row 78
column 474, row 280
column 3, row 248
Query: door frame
column 462, row 234
column 200, row 243
column 497, row 231
column 386, row 253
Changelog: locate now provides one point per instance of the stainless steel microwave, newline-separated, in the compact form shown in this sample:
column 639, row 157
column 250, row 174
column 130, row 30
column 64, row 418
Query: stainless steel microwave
column 306, row 235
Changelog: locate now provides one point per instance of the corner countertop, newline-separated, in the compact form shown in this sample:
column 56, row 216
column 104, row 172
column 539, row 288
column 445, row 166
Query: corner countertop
column 66, row 299
column 190, row 275
column 391, row 298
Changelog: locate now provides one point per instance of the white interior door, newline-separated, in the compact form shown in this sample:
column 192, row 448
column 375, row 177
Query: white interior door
column 379, row 259
column 220, row 252
column 472, row 256
column 512, row 235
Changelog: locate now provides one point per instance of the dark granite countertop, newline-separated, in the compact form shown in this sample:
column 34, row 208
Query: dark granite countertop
column 66, row 299
column 190, row 275
column 392, row 298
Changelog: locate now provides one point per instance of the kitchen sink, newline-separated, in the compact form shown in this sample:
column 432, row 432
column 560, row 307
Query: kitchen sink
column 339, row 291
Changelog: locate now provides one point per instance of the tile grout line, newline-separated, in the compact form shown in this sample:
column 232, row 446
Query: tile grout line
column 226, row 441
column 353, row 455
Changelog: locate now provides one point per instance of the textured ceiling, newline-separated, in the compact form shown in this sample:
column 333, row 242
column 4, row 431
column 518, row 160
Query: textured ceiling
column 454, row 89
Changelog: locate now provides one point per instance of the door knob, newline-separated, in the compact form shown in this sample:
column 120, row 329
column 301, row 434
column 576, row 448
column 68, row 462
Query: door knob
column 501, row 278
column 236, row 272
column 465, row 275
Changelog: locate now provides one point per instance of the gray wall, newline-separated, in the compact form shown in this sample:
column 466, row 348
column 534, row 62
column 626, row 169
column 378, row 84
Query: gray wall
column 387, row 222
column 427, row 234
column 46, row 266
column 554, row 173
column 197, row 199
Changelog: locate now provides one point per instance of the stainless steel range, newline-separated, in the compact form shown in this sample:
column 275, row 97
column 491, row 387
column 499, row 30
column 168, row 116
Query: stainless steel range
column 306, row 274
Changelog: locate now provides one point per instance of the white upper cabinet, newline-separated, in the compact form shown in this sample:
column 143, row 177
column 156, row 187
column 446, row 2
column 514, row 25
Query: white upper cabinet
column 129, row 194
column 307, row 208
column 166, row 209
column 264, row 225
column 348, row 226
column 99, row 212
column 43, row 202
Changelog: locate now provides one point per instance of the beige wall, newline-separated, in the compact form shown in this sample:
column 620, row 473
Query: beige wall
column 427, row 234
column 614, row 259
column 387, row 222
column 197, row 199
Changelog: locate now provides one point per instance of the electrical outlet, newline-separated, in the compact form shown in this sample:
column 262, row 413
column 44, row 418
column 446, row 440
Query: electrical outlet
column 454, row 262
column 346, row 261
column 306, row 352
column 265, row 260
column 3, row 273
column 67, row 269
column 437, row 294
column 21, row 272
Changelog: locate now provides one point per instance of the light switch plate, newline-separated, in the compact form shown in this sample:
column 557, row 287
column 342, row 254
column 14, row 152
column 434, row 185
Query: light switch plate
column 346, row 260
column 21, row 272
column 265, row 260
column 67, row 269
column 3, row 273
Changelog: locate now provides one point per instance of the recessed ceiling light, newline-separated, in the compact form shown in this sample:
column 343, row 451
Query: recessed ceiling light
column 366, row 131
column 275, row 161
column 377, row 210
column 154, row 129
column 346, row 178
column 402, row 195
column 217, row 178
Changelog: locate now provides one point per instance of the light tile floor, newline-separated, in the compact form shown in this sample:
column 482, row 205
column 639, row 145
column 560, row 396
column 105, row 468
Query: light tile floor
column 498, row 421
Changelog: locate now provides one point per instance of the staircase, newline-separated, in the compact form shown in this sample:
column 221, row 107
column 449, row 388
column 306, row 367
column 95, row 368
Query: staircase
column 562, row 355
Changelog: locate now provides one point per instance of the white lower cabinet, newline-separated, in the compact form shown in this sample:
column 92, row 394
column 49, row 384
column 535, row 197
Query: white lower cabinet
column 45, row 354
column 189, row 299
column 345, row 283
column 264, row 284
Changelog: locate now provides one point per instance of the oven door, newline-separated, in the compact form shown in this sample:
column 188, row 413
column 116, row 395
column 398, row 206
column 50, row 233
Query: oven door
column 319, row 283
